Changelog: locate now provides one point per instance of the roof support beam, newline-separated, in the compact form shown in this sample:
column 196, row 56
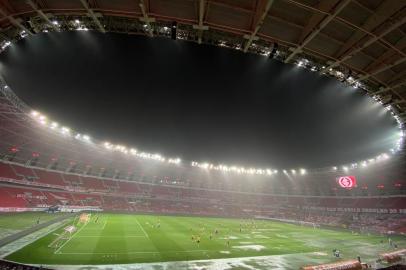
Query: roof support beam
column 392, row 87
column 351, row 53
column 147, row 20
column 389, row 54
column 42, row 14
column 258, row 25
column 323, row 23
column 398, row 102
column 316, row 18
column 200, row 27
column 379, row 70
column 376, row 19
column 16, row 22
column 93, row 16
column 347, row 23
column 397, row 77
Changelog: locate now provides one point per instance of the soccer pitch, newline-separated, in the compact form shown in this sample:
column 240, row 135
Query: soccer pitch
column 124, row 238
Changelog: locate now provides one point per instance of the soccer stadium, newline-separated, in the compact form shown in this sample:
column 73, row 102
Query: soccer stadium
column 325, row 187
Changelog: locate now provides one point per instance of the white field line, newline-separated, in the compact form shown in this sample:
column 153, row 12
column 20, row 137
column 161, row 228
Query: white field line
column 141, row 228
column 43, row 234
column 135, row 252
column 70, row 238
column 105, row 222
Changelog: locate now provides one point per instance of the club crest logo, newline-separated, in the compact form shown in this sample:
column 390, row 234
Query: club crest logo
column 347, row 181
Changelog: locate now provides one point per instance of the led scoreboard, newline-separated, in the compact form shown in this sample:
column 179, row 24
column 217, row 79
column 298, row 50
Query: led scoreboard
column 347, row 181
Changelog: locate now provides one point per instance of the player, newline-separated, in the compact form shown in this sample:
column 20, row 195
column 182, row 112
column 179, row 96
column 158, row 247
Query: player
column 198, row 241
column 211, row 236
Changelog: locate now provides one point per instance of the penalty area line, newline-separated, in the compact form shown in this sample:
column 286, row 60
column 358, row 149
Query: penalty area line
column 58, row 250
column 145, row 233
column 105, row 222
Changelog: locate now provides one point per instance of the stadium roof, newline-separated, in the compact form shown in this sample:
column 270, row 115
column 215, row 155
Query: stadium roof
column 362, row 42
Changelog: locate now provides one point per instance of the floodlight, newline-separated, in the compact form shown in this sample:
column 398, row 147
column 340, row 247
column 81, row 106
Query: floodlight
column 5, row 45
column 34, row 113
column 65, row 130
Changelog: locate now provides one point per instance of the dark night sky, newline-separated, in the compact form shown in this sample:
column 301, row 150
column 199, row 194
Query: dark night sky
column 194, row 101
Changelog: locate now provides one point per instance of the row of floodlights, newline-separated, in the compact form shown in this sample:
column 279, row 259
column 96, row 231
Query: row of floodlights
column 363, row 164
column 305, row 63
column 65, row 131
column 43, row 120
column 79, row 27
column 242, row 170
column 131, row 151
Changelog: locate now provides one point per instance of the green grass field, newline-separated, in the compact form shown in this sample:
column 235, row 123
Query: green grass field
column 12, row 222
column 121, row 238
